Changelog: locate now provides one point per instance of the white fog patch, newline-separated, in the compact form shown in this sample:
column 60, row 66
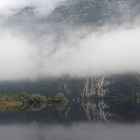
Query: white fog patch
column 14, row 57
column 74, row 131
column 43, row 7
column 108, row 52
column 113, row 51
column 32, row 47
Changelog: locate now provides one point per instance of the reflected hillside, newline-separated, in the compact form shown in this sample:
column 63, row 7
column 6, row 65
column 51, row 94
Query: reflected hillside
column 89, row 110
column 29, row 103
column 95, row 99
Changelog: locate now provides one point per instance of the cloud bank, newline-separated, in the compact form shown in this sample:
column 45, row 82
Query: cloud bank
column 8, row 7
column 41, row 49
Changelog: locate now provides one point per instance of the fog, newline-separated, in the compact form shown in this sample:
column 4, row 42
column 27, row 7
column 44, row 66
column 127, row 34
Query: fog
column 43, row 7
column 76, row 131
column 33, row 47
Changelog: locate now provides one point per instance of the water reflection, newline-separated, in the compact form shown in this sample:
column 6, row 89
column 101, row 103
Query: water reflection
column 96, row 111
column 102, row 110
column 101, row 119
column 76, row 131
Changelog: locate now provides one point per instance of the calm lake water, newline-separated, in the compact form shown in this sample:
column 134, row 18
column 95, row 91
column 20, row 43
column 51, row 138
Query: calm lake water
column 90, row 120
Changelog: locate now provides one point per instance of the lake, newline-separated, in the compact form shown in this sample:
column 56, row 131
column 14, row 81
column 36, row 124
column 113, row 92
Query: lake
column 79, row 120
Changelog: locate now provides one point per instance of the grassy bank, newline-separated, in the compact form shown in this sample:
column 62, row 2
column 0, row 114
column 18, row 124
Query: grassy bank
column 33, row 102
column 4, row 104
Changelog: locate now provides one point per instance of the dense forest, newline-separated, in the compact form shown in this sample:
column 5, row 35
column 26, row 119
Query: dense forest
column 122, row 99
column 119, row 85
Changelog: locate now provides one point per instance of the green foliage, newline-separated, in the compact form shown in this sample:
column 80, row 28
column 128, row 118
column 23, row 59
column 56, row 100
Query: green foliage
column 138, row 97
column 34, row 98
column 137, row 94
column 37, row 98
column 61, row 100
column 24, row 97
column 60, row 96
column 32, row 102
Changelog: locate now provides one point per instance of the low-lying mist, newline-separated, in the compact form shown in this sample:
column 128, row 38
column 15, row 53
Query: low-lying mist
column 74, row 131
column 39, row 49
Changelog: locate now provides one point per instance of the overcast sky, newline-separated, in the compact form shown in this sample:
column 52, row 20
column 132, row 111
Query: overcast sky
column 43, row 38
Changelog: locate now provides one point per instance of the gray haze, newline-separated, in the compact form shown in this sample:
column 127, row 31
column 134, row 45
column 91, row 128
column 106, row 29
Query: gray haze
column 76, row 131
column 44, row 38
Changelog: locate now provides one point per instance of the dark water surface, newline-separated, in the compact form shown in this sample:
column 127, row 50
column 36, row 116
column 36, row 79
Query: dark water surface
column 80, row 120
